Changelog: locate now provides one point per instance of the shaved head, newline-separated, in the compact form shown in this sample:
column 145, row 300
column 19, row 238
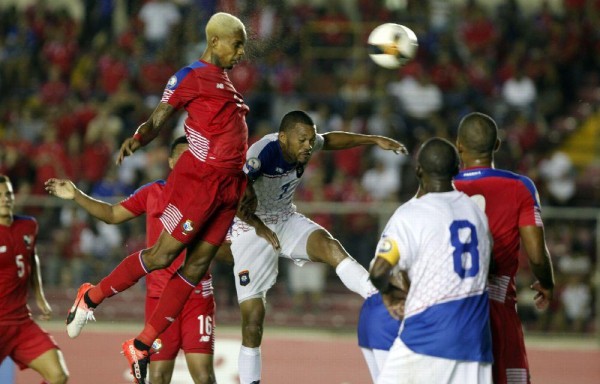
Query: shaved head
column 223, row 24
column 438, row 159
column 478, row 133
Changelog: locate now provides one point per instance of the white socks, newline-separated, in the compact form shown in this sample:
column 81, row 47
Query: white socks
column 249, row 365
column 355, row 277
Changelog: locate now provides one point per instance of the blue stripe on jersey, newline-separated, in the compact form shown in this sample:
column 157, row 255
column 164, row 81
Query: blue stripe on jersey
column 480, row 173
column 176, row 79
column 23, row 217
column 161, row 182
column 456, row 330
column 377, row 329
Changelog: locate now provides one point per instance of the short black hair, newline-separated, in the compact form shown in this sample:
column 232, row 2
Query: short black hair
column 292, row 118
column 176, row 142
column 478, row 133
column 438, row 158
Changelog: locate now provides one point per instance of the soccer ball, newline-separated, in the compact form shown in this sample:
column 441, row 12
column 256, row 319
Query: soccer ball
column 392, row 45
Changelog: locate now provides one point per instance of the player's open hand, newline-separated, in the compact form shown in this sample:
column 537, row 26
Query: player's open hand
column 43, row 305
column 391, row 145
column 267, row 234
column 129, row 146
column 543, row 297
column 394, row 301
column 62, row 188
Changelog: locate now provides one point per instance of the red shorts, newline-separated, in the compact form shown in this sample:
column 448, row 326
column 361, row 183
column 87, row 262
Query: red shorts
column 24, row 342
column 200, row 200
column 192, row 331
column 510, row 359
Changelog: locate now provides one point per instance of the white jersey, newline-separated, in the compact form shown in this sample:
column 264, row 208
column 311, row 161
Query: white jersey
column 274, row 179
column 444, row 245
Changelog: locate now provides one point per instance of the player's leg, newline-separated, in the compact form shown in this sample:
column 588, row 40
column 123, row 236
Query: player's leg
column 201, row 368
column 197, row 335
column 255, row 271
column 33, row 347
column 371, row 363
column 321, row 246
column 508, row 345
column 163, row 363
column 249, row 361
column 126, row 274
column 51, row 366
column 161, row 371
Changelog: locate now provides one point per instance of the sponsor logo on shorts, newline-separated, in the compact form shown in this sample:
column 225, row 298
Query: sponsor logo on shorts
column 188, row 226
column 244, row 278
column 205, row 339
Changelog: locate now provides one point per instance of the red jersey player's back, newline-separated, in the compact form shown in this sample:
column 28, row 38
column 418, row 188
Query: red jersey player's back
column 510, row 201
column 17, row 245
column 216, row 125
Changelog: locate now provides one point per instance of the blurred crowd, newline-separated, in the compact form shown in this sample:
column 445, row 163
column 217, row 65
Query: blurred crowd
column 73, row 87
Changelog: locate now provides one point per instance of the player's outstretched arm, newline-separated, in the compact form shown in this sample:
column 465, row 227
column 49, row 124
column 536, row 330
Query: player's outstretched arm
column 541, row 265
column 246, row 209
column 146, row 132
column 38, row 288
column 343, row 140
column 109, row 213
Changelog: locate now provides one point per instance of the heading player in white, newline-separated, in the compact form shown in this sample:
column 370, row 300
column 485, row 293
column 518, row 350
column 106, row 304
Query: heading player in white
column 268, row 226
column 440, row 240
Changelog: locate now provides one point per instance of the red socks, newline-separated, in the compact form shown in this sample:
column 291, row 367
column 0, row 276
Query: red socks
column 170, row 305
column 126, row 274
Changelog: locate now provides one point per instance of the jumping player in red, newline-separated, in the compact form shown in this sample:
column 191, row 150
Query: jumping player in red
column 21, row 338
column 512, row 206
column 202, row 192
column 193, row 330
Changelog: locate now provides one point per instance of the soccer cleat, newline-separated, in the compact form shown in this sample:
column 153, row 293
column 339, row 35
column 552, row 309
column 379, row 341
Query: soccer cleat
column 80, row 313
column 138, row 360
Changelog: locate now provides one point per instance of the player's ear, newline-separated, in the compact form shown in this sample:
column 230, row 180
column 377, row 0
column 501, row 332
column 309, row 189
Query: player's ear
column 214, row 41
column 171, row 163
column 497, row 145
column 282, row 137
column 459, row 146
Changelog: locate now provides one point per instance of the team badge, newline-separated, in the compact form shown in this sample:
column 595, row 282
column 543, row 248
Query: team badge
column 253, row 164
column 244, row 277
column 172, row 82
column 388, row 249
column 27, row 240
column 188, row 226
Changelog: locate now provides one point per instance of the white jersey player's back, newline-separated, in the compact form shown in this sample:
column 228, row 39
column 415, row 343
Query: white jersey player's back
column 444, row 245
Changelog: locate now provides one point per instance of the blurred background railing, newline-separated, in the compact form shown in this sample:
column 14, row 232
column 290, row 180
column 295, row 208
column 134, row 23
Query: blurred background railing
column 69, row 258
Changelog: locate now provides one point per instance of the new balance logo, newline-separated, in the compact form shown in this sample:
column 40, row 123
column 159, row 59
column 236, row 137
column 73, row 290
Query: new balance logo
column 220, row 86
column 170, row 319
column 205, row 339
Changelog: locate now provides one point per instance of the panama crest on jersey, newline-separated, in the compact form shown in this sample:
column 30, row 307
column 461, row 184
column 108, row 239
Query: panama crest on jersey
column 172, row 82
column 188, row 226
column 27, row 240
column 244, row 277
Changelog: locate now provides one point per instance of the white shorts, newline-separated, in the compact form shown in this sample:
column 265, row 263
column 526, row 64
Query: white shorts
column 403, row 366
column 256, row 262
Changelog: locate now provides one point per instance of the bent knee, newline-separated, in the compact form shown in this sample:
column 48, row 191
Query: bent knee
column 204, row 376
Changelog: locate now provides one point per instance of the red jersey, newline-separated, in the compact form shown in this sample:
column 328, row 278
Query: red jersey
column 511, row 201
column 17, row 247
column 147, row 199
column 216, row 124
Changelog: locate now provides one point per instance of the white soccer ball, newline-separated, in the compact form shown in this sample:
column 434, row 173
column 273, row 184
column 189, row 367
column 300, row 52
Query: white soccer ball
column 392, row 45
